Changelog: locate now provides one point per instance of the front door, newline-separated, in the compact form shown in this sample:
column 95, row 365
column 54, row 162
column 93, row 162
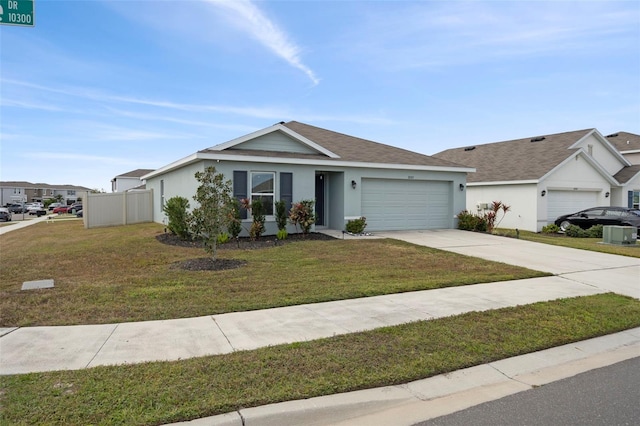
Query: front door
column 320, row 189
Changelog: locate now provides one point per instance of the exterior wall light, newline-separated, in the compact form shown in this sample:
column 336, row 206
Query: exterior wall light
column 353, row 184
column 606, row 195
column 462, row 187
column 543, row 193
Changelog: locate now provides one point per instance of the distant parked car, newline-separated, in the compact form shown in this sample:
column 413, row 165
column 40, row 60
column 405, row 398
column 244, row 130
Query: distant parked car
column 53, row 206
column 585, row 219
column 5, row 214
column 61, row 209
column 17, row 208
column 74, row 208
column 79, row 213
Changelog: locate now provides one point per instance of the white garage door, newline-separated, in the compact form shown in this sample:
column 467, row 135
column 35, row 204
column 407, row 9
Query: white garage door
column 565, row 202
column 390, row 204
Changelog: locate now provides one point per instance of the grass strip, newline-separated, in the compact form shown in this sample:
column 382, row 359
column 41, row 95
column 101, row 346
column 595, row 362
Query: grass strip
column 122, row 274
column 592, row 244
column 163, row 392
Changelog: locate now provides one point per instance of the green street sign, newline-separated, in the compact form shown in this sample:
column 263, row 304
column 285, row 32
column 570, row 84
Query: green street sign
column 17, row 12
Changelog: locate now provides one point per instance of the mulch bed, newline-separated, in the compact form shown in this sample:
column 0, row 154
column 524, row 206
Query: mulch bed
column 243, row 243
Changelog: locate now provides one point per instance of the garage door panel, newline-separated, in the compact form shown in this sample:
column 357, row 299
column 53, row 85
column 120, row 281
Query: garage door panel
column 565, row 202
column 404, row 204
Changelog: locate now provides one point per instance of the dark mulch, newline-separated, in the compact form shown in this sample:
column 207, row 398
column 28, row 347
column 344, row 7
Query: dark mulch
column 243, row 243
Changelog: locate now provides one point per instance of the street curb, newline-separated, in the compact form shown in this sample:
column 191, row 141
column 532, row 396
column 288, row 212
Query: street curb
column 439, row 395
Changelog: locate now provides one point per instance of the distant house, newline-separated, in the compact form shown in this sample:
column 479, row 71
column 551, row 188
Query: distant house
column 543, row 177
column 346, row 176
column 628, row 144
column 129, row 180
column 27, row 192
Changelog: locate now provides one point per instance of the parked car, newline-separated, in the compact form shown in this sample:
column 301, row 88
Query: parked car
column 585, row 219
column 61, row 209
column 38, row 211
column 5, row 214
column 16, row 208
column 79, row 213
column 74, row 208
column 53, row 206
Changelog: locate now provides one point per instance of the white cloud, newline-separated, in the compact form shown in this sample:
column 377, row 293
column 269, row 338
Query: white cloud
column 252, row 20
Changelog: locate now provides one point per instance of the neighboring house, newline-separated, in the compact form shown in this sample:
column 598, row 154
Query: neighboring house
column 27, row 192
column 348, row 177
column 129, row 180
column 547, row 176
column 628, row 144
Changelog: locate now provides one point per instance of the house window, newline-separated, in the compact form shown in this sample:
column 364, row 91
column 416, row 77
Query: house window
column 162, row 200
column 635, row 201
column 71, row 193
column 263, row 187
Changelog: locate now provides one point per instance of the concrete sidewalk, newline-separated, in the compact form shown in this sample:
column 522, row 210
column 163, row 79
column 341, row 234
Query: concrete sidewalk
column 576, row 273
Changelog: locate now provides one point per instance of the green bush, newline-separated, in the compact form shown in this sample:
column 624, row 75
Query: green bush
column 575, row 232
column 281, row 215
column 282, row 234
column 471, row 222
column 595, row 231
column 235, row 221
column 223, row 238
column 551, row 229
column 356, row 226
column 257, row 226
column 178, row 217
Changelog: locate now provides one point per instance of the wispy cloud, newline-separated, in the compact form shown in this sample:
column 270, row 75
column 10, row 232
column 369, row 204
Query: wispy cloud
column 81, row 158
column 251, row 19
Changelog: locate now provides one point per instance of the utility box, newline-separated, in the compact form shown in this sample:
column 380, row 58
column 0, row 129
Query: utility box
column 621, row 235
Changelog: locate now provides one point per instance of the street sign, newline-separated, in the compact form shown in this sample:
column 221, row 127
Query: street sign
column 17, row 12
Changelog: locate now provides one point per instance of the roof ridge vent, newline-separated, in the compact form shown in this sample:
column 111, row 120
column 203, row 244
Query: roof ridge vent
column 612, row 135
column 538, row 139
column 470, row 148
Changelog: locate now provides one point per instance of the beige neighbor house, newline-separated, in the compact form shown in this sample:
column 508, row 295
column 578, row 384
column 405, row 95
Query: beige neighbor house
column 546, row 176
column 346, row 176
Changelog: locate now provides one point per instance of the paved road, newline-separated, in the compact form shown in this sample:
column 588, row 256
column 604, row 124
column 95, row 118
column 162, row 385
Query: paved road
column 607, row 396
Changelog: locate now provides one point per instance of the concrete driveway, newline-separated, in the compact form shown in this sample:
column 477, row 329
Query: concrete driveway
column 619, row 274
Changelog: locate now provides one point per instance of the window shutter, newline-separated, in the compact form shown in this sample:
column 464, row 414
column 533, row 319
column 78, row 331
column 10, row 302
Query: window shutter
column 286, row 189
column 630, row 199
column 240, row 188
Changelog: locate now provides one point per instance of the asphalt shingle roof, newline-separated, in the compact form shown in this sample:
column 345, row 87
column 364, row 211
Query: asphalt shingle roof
column 515, row 160
column 348, row 148
column 624, row 175
column 624, row 141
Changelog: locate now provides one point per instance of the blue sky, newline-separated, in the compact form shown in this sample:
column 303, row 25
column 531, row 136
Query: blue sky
column 99, row 88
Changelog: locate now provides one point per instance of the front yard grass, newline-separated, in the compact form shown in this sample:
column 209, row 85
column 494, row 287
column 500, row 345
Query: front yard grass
column 121, row 274
column 593, row 244
column 163, row 392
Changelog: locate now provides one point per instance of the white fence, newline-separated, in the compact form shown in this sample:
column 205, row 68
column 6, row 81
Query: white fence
column 118, row 208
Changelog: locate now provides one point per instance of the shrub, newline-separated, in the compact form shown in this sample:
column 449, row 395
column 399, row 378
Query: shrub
column 551, row 229
column 257, row 227
column 282, row 234
column 235, row 219
column 176, row 211
column 223, row 238
column 575, row 232
column 471, row 222
column 281, row 214
column 302, row 214
column 595, row 231
column 356, row 226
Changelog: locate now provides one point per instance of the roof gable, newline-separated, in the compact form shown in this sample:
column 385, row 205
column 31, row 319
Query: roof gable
column 277, row 138
column 516, row 160
column 627, row 173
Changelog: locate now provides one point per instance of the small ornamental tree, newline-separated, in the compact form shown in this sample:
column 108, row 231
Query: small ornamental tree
column 235, row 219
column 178, row 217
column 211, row 218
column 302, row 214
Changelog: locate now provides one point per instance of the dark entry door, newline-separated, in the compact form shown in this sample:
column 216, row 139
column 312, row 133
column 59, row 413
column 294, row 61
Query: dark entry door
column 320, row 187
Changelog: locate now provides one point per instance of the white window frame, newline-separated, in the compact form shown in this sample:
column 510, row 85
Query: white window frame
column 264, row 194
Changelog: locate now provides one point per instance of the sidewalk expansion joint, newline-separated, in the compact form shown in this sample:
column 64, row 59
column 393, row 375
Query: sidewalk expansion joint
column 10, row 331
column 225, row 336
column 241, row 417
column 102, row 346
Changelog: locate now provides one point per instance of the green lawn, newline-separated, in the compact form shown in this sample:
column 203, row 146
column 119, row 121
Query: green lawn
column 120, row 274
column 163, row 392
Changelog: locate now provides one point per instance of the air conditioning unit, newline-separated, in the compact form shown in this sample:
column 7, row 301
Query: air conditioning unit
column 483, row 206
column 621, row 235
